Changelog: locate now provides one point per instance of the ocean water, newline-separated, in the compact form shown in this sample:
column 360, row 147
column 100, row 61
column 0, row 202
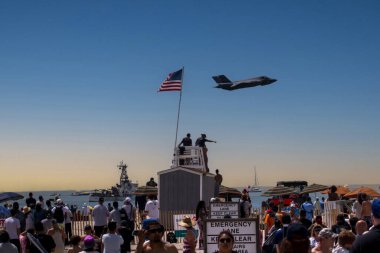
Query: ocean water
column 66, row 196
column 78, row 201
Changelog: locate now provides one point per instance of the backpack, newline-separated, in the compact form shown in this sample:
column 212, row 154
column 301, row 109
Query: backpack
column 58, row 214
column 124, row 217
column 242, row 211
column 268, row 245
column 123, row 214
column 170, row 237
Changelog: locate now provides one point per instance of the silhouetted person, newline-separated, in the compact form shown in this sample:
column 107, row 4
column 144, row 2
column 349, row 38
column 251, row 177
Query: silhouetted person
column 186, row 141
column 151, row 182
column 218, row 181
column 201, row 142
column 30, row 202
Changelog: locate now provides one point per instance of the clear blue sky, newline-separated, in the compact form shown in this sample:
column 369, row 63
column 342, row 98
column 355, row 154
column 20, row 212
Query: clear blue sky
column 78, row 83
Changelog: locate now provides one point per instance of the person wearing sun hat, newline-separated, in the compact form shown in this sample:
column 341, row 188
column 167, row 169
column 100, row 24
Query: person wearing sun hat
column 370, row 241
column 29, row 221
column 190, row 239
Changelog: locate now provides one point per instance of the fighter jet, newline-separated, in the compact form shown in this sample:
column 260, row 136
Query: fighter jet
column 226, row 84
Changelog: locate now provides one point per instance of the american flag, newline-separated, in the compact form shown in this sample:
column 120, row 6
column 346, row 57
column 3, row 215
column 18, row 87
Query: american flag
column 173, row 82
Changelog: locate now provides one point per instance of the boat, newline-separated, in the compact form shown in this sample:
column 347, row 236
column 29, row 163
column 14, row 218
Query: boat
column 255, row 187
column 120, row 191
column 81, row 193
column 106, row 194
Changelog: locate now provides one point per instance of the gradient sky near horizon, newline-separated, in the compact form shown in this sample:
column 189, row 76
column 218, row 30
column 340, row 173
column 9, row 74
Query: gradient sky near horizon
column 78, row 82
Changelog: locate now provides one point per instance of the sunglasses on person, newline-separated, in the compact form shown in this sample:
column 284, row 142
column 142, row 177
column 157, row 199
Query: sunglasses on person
column 225, row 240
column 155, row 230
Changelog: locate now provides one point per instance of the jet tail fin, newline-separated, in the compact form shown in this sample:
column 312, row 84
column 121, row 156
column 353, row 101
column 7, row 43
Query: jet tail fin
column 221, row 79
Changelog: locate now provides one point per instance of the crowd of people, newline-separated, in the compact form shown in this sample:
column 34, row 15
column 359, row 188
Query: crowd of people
column 48, row 225
column 355, row 231
column 299, row 228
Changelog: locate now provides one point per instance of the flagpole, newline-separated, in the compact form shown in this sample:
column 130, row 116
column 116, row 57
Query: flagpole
column 179, row 107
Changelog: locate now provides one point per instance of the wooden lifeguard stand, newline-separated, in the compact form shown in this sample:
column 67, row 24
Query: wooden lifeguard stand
column 184, row 184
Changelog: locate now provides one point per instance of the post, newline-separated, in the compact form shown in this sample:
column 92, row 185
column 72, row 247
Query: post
column 179, row 107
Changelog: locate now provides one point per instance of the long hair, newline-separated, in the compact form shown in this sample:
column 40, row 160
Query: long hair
column 201, row 205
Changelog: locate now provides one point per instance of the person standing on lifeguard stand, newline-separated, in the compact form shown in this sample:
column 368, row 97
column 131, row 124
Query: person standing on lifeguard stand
column 201, row 142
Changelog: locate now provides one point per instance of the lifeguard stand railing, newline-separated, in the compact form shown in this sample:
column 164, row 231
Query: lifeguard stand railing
column 189, row 157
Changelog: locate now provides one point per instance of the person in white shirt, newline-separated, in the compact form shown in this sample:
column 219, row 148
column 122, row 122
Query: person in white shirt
column 5, row 245
column 85, row 212
column 68, row 229
column 12, row 226
column 111, row 241
column 100, row 215
column 152, row 208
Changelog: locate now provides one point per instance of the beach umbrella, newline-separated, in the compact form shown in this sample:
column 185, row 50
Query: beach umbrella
column 4, row 212
column 341, row 190
column 279, row 191
column 314, row 188
column 145, row 190
column 367, row 190
column 7, row 196
column 228, row 193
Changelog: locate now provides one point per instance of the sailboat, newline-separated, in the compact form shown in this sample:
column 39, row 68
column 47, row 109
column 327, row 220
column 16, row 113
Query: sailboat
column 255, row 187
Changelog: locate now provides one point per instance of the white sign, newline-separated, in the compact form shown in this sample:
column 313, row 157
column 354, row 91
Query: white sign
column 178, row 230
column 219, row 209
column 245, row 233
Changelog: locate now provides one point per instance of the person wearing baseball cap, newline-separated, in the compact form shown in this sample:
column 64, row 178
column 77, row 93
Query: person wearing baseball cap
column 370, row 242
column 153, row 231
column 326, row 241
column 89, row 244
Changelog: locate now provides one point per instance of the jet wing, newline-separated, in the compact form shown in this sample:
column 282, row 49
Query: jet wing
column 222, row 79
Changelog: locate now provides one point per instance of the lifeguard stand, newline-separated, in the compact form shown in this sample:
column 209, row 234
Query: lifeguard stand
column 184, row 184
